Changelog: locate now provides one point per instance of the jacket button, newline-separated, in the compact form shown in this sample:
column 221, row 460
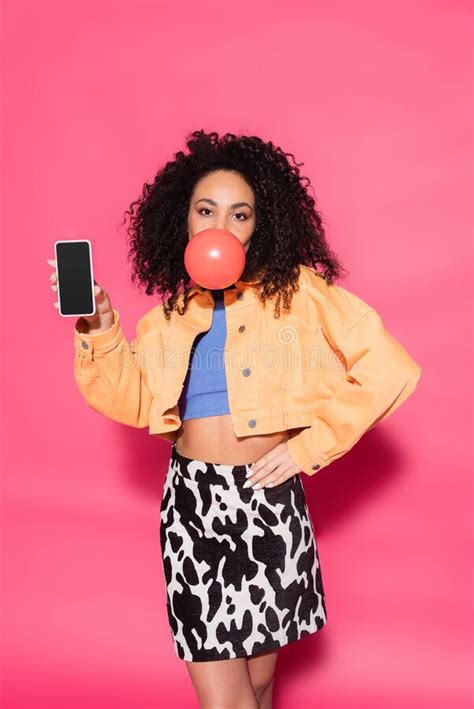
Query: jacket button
column 315, row 467
column 246, row 372
column 242, row 328
column 240, row 295
column 252, row 423
column 85, row 345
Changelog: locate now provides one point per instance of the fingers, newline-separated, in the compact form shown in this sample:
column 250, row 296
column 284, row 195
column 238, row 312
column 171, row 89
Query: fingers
column 53, row 277
column 271, row 469
column 272, row 478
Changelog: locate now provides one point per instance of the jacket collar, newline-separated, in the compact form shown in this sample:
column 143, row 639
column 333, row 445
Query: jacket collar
column 196, row 288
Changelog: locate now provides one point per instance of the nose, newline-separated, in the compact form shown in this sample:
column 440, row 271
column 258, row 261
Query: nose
column 218, row 224
column 221, row 224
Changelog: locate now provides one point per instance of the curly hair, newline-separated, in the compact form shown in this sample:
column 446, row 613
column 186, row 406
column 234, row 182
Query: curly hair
column 288, row 230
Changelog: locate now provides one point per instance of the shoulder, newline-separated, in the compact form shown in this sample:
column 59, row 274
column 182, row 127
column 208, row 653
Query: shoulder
column 152, row 319
column 333, row 302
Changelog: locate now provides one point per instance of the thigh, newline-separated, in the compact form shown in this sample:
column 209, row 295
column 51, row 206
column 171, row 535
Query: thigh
column 261, row 669
column 223, row 683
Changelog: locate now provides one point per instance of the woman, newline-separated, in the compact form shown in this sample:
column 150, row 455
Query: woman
column 239, row 551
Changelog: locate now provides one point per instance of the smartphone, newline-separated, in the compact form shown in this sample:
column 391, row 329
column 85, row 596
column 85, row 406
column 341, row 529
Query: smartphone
column 75, row 278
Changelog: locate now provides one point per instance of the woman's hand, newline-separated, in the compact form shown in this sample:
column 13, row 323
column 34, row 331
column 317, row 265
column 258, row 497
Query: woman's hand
column 273, row 468
column 104, row 315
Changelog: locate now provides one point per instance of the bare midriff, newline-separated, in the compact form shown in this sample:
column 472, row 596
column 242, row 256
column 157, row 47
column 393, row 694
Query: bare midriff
column 213, row 440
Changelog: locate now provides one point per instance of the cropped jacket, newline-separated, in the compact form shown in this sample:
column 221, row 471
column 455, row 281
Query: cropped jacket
column 326, row 372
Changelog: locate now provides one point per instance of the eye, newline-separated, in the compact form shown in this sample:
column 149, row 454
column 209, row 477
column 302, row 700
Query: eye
column 206, row 209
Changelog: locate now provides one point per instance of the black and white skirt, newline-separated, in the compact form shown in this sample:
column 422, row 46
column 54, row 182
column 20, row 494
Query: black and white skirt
column 241, row 566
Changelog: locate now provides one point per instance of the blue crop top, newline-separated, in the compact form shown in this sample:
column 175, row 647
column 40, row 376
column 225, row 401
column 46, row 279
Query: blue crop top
column 205, row 387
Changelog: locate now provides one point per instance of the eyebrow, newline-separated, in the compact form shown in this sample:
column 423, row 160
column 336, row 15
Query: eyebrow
column 232, row 206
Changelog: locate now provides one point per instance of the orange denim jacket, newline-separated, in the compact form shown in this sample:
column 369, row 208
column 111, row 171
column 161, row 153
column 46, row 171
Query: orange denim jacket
column 329, row 367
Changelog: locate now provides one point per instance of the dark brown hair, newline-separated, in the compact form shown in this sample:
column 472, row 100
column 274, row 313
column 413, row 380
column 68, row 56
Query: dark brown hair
column 288, row 229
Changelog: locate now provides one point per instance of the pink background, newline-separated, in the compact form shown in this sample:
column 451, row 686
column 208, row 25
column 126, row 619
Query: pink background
column 376, row 99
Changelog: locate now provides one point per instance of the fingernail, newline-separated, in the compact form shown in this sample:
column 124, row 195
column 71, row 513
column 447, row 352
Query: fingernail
column 246, row 484
column 257, row 486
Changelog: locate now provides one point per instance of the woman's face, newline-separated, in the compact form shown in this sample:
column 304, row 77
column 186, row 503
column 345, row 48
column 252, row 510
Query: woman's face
column 223, row 200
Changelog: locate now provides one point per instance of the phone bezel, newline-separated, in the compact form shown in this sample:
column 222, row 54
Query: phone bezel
column 74, row 241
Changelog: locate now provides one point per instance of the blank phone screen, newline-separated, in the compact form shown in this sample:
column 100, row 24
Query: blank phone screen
column 75, row 282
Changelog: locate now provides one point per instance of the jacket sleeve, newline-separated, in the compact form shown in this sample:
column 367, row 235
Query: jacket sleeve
column 110, row 375
column 377, row 376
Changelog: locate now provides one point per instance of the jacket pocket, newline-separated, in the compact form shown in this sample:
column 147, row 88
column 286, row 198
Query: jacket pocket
column 291, row 353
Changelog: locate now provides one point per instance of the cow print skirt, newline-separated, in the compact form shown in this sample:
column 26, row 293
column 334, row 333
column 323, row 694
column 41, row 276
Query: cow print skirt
column 241, row 566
